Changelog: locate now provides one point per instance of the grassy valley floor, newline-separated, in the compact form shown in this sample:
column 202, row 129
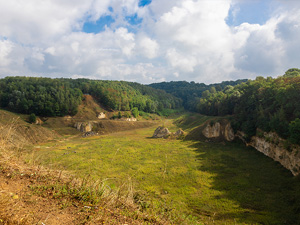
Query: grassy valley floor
column 191, row 182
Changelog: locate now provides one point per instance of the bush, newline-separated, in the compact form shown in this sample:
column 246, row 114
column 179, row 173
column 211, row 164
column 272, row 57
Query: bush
column 127, row 115
column 32, row 118
column 135, row 112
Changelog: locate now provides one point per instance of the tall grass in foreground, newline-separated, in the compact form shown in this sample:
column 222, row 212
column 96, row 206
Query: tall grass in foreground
column 9, row 146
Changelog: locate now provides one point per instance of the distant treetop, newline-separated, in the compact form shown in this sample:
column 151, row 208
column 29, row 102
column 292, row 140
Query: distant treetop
column 293, row 72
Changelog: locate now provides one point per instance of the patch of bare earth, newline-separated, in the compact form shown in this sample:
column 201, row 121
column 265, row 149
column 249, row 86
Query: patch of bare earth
column 30, row 195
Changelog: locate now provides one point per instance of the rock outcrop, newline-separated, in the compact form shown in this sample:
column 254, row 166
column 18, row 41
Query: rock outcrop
column 84, row 126
column 101, row 115
column 273, row 146
column 270, row 144
column 161, row 132
column 131, row 119
column 178, row 134
column 38, row 121
column 219, row 130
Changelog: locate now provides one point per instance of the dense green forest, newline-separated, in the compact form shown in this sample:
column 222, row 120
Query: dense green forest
column 191, row 92
column 265, row 103
column 59, row 97
column 42, row 96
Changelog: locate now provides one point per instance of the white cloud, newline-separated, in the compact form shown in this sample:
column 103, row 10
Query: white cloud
column 148, row 48
column 180, row 39
column 184, row 63
column 5, row 49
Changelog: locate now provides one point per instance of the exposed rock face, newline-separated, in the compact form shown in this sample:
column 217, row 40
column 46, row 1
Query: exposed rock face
column 217, row 130
column 269, row 144
column 101, row 115
column 84, row 126
column 229, row 133
column 212, row 131
column 38, row 121
column 272, row 146
column 131, row 119
column 161, row 132
column 178, row 133
column 68, row 117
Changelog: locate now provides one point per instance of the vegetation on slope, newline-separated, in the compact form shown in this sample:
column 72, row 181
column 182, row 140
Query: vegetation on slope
column 42, row 96
column 59, row 97
column 265, row 103
column 191, row 92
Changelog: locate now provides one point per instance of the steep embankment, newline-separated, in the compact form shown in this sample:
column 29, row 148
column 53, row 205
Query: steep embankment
column 111, row 126
column 22, row 133
column 215, row 129
column 271, row 145
column 206, row 128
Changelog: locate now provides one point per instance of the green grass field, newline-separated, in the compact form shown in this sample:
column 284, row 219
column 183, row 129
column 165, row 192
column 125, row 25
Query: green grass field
column 205, row 183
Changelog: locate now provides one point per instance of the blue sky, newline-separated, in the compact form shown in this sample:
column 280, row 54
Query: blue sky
column 143, row 3
column 254, row 12
column 150, row 41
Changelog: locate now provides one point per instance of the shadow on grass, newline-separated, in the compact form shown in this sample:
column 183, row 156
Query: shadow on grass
column 266, row 192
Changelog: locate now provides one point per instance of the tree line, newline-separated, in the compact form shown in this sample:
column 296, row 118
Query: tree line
column 191, row 92
column 59, row 97
column 266, row 104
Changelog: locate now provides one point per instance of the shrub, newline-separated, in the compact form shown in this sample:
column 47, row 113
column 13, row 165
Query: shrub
column 127, row 115
column 32, row 118
column 135, row 112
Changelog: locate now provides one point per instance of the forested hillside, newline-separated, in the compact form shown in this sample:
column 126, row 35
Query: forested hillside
column 59, row 97
column 265, row 103
column 42, row 96
column 191, row 92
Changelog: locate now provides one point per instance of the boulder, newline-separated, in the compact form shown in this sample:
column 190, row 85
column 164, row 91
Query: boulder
column 229, row 133
column 161, row 132
column 84, row 126
column 178, row 133
column 212, row 130
column 217, row 129
column 101, row 115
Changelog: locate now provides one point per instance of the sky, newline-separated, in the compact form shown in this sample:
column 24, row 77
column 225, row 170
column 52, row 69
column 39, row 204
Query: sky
column 149, row 41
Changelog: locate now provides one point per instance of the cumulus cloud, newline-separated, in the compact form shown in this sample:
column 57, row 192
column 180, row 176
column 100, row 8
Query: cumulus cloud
column 5, row 49
column 180, row 39
column 147, row 47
